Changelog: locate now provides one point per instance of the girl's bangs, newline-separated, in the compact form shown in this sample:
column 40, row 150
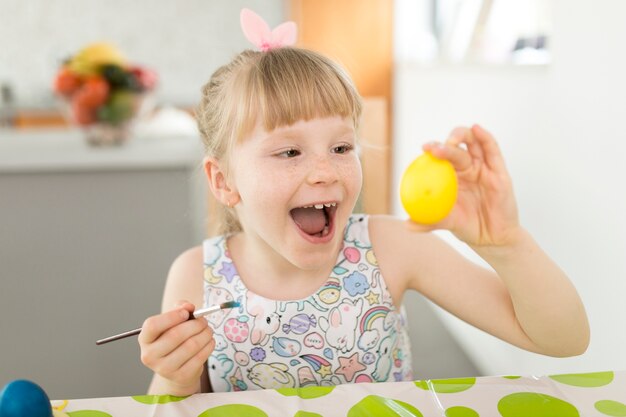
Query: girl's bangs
column 286, row 86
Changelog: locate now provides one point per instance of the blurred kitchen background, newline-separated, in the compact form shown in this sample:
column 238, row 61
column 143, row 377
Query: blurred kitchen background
column 87, row 234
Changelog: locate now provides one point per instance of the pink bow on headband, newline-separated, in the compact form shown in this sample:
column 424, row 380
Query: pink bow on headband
column 258, row 32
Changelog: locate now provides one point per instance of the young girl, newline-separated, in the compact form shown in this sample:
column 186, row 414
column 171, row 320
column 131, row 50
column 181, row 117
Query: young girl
column 320, row 289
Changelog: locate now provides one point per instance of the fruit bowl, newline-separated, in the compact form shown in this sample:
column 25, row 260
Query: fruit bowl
column 103, row 94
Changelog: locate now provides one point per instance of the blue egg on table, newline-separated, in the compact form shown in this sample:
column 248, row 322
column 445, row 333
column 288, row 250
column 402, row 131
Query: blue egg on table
column 23, row 398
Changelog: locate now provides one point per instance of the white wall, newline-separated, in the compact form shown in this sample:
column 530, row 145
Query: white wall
column 185, row 41
column 561, row 130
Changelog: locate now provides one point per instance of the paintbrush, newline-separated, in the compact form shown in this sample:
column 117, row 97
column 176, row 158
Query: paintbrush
column 198, row 313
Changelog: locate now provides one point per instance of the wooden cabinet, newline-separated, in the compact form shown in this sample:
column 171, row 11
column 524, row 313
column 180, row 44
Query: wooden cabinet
column 358, row 35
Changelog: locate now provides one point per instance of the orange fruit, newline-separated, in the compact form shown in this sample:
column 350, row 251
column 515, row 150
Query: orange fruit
column 96, row 91
column 66, row 82
column 82, row 111
column 428, row 189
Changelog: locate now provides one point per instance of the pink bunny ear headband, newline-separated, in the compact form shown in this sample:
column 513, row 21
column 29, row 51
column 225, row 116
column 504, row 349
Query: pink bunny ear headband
column 258, row 31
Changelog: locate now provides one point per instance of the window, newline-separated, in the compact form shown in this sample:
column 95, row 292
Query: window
column 473, row 31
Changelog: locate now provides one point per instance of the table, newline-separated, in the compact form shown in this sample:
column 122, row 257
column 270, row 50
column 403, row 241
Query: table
column 567, row 395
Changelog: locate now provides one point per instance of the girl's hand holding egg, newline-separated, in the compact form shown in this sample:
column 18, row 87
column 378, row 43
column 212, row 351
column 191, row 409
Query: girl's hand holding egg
column 463, row 186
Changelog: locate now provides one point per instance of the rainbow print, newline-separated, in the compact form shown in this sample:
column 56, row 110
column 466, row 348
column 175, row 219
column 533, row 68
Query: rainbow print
column 315, row 361
column 371, row 315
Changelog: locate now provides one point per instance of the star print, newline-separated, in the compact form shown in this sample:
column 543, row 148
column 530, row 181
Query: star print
column 228, row 270
column 324, row 371
column 349, row 366
column 372, row 298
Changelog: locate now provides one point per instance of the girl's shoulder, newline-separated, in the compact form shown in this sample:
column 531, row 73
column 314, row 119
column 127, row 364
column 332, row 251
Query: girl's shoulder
column 402, row 253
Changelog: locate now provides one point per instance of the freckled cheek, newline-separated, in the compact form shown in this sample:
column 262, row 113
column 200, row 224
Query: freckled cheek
column 351, row 175
column 264, row 187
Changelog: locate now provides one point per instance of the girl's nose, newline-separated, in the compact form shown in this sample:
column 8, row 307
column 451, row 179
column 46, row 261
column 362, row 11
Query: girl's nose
column 322, row 172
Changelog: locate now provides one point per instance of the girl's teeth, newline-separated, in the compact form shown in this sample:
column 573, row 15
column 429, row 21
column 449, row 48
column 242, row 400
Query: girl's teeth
column 321, row 206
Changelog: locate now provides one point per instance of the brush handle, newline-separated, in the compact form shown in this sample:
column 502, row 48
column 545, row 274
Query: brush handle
column 129, row 333
column 198, row 313
column 118, row 336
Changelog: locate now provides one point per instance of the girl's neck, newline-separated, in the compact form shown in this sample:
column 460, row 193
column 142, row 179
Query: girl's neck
column 265, row 272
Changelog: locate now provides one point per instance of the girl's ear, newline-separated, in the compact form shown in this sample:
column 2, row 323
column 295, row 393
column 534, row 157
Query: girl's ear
column 218, row 182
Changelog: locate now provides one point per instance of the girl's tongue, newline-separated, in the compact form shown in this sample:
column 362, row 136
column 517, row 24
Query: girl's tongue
column 311, row 220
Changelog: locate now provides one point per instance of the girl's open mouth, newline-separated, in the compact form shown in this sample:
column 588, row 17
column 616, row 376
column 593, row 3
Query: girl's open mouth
column 315, row 221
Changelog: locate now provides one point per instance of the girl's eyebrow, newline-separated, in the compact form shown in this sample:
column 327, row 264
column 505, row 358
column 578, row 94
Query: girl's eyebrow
column 291, row 132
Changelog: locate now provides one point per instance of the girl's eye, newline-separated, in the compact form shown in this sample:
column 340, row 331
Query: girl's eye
column 290, row 153
column 342, row 149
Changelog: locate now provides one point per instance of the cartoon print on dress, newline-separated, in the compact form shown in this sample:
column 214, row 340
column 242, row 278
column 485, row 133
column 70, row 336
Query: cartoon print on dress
column 332, row 381
column 368, row 340
column 372, row 298
column 387, row 299
column 342, row 324
column 375, row 277
column 300, row 305
column 390, row 320
column 257, row 354
column 398, row 357
column 228, row 270
column 285, row 347
column 306, row 377
column 328, row 353
column 363, row 378
column 215, row 296
column 356, row 283
column 239, row 287
column 319, row 364
column 211, row 253
column 351, row 255
column 349, row 366
column 370, row 257
column 266, row 321
column 241, row 357
column 220, row 365
column 330, row 292
column 237, row 381
column 314, row 340
column 210, row 277
column 300, row 324
column 236, row 329
column 271, row 376
column 356, row 234
column 220, row 342
column 404, row 373
column 369, row 335
column 384, row 362
column 369, row 358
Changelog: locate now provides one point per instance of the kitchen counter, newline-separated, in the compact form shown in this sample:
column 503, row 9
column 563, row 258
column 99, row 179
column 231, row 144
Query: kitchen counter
column 64, row 149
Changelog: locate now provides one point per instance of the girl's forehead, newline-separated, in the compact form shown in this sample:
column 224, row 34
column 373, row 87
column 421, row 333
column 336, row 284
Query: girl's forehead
column 334, row 125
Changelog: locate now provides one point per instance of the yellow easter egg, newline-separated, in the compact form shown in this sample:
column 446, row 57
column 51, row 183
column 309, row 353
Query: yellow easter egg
column 428, row 189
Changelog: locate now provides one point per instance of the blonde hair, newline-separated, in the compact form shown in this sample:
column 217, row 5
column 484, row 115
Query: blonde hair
column 278, row 88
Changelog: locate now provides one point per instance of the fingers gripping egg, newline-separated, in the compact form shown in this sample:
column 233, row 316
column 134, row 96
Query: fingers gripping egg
column 428, row 189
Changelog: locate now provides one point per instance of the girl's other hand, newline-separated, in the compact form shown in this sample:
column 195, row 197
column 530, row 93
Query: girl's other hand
column 177, row 348
column 485, row 213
